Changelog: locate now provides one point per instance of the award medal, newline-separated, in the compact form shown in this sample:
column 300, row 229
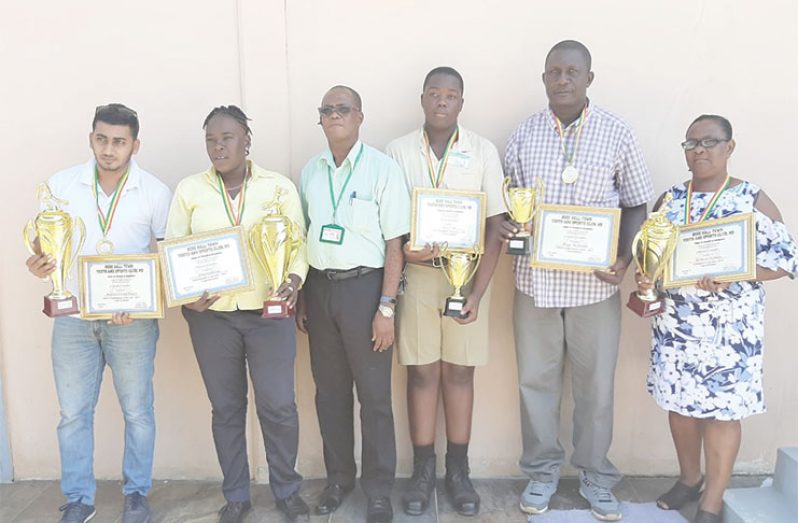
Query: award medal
column 710, row 205
column 435, row 178
column 570, row 174
column 234, row 216
column 333, row 233
column 106, row 246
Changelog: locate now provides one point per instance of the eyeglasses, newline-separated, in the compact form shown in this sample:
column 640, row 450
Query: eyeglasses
column 706, row 143
column 340, row 110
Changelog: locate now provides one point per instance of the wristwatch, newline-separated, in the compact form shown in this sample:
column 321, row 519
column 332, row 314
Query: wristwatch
column 387, row 300
column 387, row 312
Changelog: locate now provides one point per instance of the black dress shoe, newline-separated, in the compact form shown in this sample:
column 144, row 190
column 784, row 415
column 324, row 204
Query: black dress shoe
column 379, row 510
column 234, row 511
column 293, row 506
column 460, row 489
column 416, row 498
column 331, row 498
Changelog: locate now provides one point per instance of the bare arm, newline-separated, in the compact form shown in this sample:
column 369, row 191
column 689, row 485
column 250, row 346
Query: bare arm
column 382, row 328
column 767, row 207
column 631, row 219
column 493, row 244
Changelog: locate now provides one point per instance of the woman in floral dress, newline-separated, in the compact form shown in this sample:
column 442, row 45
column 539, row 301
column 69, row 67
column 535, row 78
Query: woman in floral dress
column 706, row 358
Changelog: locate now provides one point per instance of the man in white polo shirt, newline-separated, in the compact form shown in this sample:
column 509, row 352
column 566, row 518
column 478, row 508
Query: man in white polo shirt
column 124, row 209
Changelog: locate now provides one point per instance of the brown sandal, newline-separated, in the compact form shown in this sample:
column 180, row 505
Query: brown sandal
column 679, row 495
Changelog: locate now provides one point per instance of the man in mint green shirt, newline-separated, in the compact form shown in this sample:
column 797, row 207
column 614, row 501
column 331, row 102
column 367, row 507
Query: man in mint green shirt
column 357, row 210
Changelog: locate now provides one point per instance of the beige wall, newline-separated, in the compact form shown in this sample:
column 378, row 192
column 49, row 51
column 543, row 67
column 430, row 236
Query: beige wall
column 657, row 66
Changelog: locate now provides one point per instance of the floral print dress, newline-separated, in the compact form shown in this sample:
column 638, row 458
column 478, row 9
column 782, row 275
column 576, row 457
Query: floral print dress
column 706, row 348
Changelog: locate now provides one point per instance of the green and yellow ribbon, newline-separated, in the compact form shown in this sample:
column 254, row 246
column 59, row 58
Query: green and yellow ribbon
column 710, row 206
column 234, row 216
column 436, row 177
column 107, row 218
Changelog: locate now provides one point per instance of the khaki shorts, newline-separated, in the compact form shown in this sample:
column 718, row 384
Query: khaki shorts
column 425, row 336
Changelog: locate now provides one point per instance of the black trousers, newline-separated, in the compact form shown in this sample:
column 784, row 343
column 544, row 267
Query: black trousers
column 339, row 327
column 226, row 343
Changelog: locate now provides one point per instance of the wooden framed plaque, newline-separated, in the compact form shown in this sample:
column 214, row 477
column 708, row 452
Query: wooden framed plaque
column 128, row 283
column 575, row 238
column 456, row 218
column 215, row 261
column 724, row 248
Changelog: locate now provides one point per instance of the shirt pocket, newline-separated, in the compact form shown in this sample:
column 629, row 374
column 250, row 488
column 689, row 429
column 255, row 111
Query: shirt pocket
column 595, row 186
column 365, row 216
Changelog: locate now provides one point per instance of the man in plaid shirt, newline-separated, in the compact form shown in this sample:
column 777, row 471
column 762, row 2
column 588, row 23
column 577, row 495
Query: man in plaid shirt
column 588, row 157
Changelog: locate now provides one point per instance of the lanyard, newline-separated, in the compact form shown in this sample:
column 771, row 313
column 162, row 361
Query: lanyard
column 234, row 216
column 710, row 205
column 337, row 201
column 561, row 132
column 436, row 178
column 106, row 218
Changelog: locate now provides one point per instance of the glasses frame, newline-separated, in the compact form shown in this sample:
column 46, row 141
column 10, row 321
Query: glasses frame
column 340, row 110
column 706, row 143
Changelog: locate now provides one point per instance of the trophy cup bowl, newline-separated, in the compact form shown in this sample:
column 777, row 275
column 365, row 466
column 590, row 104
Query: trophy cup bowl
column 55, row 230
column 652, row 248
column 275, row 242
column 520, row 203
column 458, row 267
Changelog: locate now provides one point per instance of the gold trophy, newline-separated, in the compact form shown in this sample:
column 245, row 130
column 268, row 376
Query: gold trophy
column 459, row 267
column 521, row 203
column 275, row 242
column 54, row 230
column 652, row 248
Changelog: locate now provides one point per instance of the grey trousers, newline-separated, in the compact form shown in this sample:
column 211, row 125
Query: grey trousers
column 544, row 337
column 226, row 343
column 339, row 329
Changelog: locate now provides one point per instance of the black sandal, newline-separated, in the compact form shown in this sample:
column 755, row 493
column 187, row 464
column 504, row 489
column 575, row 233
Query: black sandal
column 702, row 516
column 679, row 495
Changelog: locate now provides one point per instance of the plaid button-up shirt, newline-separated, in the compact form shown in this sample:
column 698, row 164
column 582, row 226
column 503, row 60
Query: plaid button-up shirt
column 612, row 173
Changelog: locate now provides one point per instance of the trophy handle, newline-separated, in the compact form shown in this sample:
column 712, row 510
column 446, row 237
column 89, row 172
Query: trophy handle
column 635, row 250
column 26, row 237
column 81, row 227
column 296, row 244
column 505, row 193
column 478, row 257
column 253, row 237
column 438, row 262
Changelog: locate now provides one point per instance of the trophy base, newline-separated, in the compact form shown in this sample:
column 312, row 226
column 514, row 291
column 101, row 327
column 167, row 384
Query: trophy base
column 454, row 307
column 276, row 309
column 61, row 307
column 519, row 246
column 643, row 308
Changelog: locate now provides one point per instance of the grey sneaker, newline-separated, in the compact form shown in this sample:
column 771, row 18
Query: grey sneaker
column 77, row 512
column 603, row 503
column 137, row 509
column 536, row 496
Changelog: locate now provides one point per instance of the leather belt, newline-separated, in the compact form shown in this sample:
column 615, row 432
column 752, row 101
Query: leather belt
column 337, row 275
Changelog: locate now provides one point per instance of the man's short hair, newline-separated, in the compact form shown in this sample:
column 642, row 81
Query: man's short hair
column 355, row 95
column 117, row 114
column 449, row 71
column 572, row 45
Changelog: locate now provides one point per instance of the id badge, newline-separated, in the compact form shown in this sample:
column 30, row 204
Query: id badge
column 332, row 233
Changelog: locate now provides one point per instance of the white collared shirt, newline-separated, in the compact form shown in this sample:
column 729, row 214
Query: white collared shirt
column 140, row 215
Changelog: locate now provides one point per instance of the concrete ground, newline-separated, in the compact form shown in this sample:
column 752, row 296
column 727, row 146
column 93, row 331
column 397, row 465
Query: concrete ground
column 199, row 501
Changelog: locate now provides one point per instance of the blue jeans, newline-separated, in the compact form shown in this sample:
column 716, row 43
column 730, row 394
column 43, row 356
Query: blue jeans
column 80, row 350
